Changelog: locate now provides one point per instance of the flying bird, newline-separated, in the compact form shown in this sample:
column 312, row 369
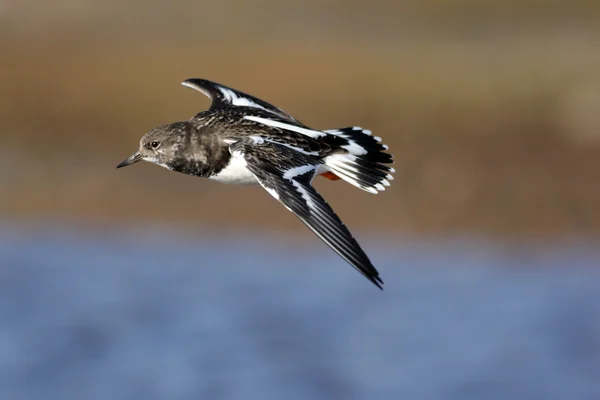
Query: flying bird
column 241, row 139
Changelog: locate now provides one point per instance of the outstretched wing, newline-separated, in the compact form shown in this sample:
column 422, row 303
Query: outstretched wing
column 225, row 97
column 287, row 175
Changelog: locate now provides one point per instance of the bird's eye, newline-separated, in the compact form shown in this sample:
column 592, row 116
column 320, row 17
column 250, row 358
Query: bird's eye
column 154, row 144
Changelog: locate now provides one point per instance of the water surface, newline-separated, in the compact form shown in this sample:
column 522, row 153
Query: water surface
column 147, row 315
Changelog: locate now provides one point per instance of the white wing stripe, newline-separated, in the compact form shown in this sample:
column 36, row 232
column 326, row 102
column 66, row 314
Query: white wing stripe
column 289, row 146
column 301, row 170
column 305, row 195
column 276, row 124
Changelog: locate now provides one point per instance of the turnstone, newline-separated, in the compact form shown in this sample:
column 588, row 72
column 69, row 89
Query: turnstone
column 244, row 140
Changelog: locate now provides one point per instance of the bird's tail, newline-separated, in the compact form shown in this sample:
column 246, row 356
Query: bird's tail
column 361, row 161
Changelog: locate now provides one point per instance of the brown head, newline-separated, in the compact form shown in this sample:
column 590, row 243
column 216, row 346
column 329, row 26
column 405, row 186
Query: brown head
column 162, row 145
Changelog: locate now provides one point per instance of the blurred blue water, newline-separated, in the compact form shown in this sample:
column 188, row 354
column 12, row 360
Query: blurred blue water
column 145, row 315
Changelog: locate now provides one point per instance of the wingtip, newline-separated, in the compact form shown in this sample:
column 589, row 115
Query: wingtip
column 188, row 82
column 374, row 279
column 197, row 82
column 377, row 281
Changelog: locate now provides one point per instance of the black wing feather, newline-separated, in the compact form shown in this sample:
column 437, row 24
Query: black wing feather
column 225, row 97
column 269, row 162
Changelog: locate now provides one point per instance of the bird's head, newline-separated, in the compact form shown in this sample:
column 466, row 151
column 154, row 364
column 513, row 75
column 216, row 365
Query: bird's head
column 160, row 145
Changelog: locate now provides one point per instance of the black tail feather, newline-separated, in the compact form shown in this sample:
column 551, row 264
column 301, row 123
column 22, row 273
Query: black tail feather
column 362, row 161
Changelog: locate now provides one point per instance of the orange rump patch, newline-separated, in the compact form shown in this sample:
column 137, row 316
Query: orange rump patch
column 330, row 176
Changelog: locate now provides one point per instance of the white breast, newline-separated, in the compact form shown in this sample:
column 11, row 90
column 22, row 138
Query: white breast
column 236, row 172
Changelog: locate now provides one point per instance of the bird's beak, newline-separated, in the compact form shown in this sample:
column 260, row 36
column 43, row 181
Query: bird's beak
column 132, row 159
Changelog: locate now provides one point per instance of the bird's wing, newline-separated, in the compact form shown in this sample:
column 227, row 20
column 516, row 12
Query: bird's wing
column 287, row 175
column 226, row 97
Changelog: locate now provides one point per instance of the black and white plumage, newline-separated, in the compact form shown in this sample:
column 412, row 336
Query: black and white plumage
column 245, row 140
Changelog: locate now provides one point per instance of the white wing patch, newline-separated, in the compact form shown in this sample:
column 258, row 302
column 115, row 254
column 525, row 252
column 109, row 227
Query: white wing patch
column 304, row 193
column 296, row 171
column 282, row 125
column 255, row 140
column 231, row 97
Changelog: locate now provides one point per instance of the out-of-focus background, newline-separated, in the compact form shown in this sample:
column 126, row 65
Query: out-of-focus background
column 144, row 283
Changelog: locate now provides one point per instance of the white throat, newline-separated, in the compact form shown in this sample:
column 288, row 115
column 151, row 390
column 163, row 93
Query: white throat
column 157, row 162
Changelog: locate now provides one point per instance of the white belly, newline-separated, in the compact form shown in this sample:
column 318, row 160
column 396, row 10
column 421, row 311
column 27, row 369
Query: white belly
column 236, row 173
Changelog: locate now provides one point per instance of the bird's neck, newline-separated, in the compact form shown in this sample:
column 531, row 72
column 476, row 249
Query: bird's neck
column 203, row 156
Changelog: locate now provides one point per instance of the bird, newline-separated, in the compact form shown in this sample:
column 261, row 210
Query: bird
column 243, row 140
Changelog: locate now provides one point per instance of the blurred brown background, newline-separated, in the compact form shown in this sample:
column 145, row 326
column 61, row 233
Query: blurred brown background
column 491, row 108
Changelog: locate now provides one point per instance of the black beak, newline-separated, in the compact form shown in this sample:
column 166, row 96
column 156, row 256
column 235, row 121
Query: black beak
column 135, row 157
